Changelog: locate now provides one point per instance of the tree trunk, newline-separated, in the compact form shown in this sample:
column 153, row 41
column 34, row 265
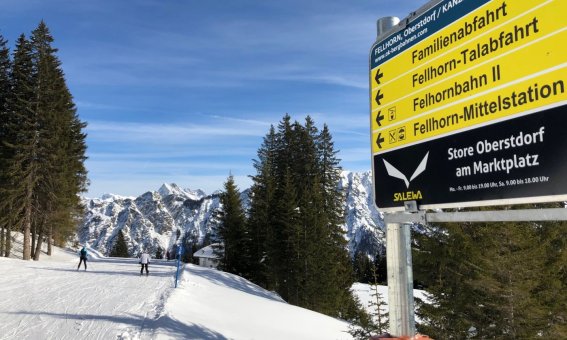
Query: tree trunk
column 39, row 242
column 33, row 238
column 2, row 241
column 26, row 252
column 8, row 243
column 49, row 239
column 27, row 221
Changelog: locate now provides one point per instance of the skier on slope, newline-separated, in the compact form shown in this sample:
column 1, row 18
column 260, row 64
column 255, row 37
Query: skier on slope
column 83, row 257
column 144, row 261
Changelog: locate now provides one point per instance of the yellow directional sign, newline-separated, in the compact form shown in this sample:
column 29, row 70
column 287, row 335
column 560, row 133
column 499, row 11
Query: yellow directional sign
column 481, row 78
column 502, row 103
column 485, row 54
column 468, row 100
column 490, row 17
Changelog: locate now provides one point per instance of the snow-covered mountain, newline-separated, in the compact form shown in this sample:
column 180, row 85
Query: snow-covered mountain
column 156, row 218
column 364, row 225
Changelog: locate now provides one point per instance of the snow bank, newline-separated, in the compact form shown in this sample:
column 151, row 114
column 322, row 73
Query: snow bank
column 51, row 299
column 217, row 305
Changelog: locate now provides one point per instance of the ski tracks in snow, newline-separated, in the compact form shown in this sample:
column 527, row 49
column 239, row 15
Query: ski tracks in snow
column 52, row 300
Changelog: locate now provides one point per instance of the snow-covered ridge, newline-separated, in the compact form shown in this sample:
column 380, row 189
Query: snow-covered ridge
column 173, row 189
column 113, row 197
column 155, row 218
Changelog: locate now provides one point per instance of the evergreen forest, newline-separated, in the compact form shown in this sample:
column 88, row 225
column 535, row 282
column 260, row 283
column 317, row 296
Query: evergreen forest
column 505, row 280
column 291, row 240
column 42, row 147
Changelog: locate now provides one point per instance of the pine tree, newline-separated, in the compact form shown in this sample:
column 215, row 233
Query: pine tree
column 296, row 217
column 22, row 142
column 360, row 325
column 492, row 280
column 333, row 203
column 5, row 66
column 159, row 253
column 446, row 263
column 363, row 268
column 44, row 106
column 285, row 247
column 5, row 91
column 120, row 248
column 63, row 154
column 302, row 159
column 260, row 213
column 43, row 147
column 234, row 243
column 367, row 324
column 378, row 305
column 509, row 278
column 319, row 271
column 381, row 267
column 330, row 172
column 550, row 293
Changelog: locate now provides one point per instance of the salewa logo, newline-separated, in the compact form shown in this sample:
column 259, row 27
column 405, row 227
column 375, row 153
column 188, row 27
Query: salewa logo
column 407, row 196
column 398, row 174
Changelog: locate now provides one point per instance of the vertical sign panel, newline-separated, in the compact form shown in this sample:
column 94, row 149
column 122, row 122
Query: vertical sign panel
column 467, row 100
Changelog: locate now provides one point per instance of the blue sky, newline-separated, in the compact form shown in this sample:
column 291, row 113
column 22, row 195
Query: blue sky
column 184, row 91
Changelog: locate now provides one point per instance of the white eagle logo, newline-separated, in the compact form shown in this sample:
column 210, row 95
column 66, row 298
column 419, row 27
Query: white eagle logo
column 392, row 171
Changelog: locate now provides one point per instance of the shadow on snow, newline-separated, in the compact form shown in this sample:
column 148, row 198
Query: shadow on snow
column 233, row 281
column 93, row 271
column 164, row 323
column 130, row 268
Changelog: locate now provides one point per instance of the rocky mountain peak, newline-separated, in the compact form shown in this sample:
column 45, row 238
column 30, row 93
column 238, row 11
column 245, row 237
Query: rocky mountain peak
column 156, row 218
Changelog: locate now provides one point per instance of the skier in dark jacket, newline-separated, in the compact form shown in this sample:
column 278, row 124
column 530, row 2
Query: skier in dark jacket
column 83, row 258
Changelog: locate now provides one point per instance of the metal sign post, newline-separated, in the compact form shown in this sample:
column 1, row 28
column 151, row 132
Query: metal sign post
column 400, row 279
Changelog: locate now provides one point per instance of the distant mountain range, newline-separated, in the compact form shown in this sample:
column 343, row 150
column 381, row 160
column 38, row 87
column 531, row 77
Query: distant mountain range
column 154, row 219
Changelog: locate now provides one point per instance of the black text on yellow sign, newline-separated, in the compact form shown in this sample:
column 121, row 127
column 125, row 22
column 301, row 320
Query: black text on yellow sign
column 505, row 68
column 510, row 30
column 545, row 89
column 488, row 18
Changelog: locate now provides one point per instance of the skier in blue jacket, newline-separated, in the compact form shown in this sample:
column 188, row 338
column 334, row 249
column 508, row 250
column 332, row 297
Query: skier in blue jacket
column 83, row 258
